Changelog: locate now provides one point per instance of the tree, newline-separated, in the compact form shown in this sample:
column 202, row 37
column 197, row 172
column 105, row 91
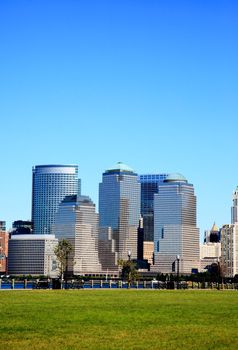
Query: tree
column 129, row 272
column 62, row 251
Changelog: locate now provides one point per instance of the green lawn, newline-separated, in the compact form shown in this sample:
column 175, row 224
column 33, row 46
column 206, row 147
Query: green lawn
column 119, row 319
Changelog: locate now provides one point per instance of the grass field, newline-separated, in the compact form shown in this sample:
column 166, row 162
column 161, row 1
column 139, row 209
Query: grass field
column 119, row 319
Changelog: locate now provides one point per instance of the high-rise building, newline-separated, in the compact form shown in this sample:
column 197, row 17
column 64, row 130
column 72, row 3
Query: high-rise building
column 32, row 254
column 210, row 250
column 176, row 236
column 229, row 250
column 119, row 209
column 149, row 186
column 77, row 221
column 234, row 208
column 3, row 247
column 51, row 184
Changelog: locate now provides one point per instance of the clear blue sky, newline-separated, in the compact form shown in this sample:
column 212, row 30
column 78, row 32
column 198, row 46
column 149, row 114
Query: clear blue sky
column 151, row 83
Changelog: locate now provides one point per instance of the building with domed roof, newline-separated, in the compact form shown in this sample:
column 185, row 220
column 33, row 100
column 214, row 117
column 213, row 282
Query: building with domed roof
column 119, row 213
column 175, row 177
column 176, row 236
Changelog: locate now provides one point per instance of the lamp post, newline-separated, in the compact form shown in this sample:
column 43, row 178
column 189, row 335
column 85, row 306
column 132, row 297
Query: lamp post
column 129, row 255
column 129, row 270
column 66, row 271
column 178, row 259
column 3, row 257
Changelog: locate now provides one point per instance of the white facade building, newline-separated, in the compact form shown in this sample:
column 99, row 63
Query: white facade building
column 229, row 250
column 210, row 250
column 32, row 255
column 77, row 221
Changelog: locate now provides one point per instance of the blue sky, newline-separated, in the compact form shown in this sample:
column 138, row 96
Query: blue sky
column 151, row 83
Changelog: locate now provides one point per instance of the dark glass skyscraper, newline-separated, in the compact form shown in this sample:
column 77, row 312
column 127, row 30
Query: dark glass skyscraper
column 149, row 186
column 51, row 183
column 119, row 208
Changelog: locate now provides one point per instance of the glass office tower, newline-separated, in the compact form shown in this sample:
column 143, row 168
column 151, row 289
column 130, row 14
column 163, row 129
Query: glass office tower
column 119, row 208
column 50, row 185
column 149, row 186
column 175, row 230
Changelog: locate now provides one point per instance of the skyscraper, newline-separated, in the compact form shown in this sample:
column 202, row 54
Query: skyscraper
column 176, row 235
column 229, row 241
column 119, row 208
column 51, row 183
column 149, row 186
column 229, row 250
column 210, row 250
column 77, row 221
column 234, row 208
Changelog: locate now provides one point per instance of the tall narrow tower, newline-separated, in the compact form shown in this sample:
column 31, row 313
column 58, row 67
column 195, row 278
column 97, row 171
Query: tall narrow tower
column 234, row 208
column 119, row 208
column 50, row 185
column 175, row 231
column 149, row 186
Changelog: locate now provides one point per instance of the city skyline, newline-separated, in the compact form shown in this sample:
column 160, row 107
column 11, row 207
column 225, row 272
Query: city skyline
column 152, row 84
column 9, row 223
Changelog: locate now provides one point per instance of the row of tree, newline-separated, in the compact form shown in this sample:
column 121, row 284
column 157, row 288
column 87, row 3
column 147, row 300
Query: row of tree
column 130, row 274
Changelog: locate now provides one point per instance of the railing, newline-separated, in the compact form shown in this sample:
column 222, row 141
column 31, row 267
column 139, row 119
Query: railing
column 110, row 284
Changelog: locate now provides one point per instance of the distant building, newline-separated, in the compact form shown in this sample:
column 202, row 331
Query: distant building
column 3, row 226
column 213, row 235
column 119, row 211
column 3, row 247
column 210, row 253
column 51, row 184
column 149, row 252
column 77, row 221
column 149, row 186
column 229, row 250
column 108, row 252
column 21, row 227
column 210, row 250
column 176, row 236
column 140, row 241
column 32, row 255
column 229, row 241
column 234, row 208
